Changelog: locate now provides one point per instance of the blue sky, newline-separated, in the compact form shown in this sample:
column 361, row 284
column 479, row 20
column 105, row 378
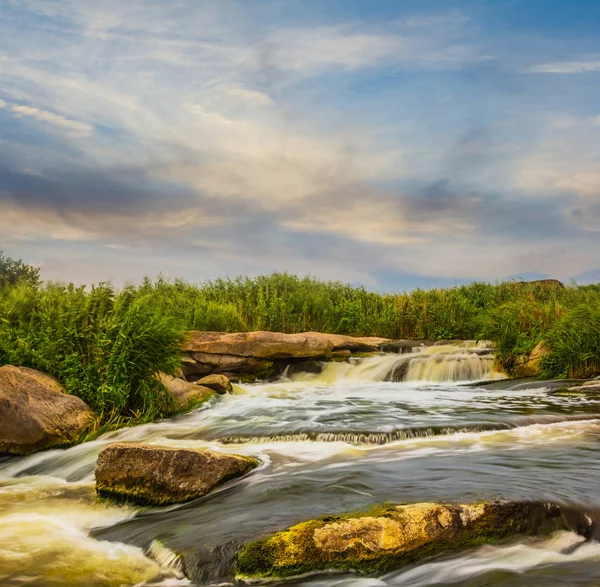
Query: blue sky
column 393, row 144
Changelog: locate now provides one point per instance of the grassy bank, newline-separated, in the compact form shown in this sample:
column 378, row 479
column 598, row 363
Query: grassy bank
column 106, row 346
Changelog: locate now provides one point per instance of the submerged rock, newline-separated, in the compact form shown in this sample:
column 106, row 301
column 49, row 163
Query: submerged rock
column 157, row 475
column 36, row 413
column 590, row 389
column 216, row 382
column 186, row 396
column 390, row 536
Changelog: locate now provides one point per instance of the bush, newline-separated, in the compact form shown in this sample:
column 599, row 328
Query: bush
column 104, row 347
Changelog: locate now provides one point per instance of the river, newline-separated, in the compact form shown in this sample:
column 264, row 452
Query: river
column 336, row 441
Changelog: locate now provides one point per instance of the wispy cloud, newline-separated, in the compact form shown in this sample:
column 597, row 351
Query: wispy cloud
column 329, row 143
column 566, row 67
column 72, row 126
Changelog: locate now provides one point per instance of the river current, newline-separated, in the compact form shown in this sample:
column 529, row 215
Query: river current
column 341, row 440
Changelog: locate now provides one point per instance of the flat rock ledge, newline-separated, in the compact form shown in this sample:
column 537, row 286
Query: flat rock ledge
column 589, row 389
column 390, row 536
column 36, row 413
column 262, row 353
column 158, row 475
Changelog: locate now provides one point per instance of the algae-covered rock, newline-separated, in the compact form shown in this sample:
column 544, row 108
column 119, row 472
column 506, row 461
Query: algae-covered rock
column 156, row 475
column 391, row 536
column 216, row 382
column 36, row 413
column 589, row 389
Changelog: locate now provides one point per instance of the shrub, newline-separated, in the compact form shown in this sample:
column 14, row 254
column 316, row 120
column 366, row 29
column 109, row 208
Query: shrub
column 105, row 347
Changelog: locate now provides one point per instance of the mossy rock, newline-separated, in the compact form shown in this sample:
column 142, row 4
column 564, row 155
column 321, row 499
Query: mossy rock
column 390, row 536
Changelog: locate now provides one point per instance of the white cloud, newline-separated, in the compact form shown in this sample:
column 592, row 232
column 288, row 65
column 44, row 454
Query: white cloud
column 73, row 126
column 566, row 67
column 249, row 95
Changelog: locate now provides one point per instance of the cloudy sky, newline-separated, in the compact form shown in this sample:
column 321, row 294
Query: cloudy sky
column 387, row 143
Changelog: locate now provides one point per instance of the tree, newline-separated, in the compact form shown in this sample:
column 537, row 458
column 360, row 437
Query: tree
column 12, row 272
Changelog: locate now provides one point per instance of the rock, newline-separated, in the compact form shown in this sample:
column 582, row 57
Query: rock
column 218, row 383
column 532, row 366
column 157, row 475
column 350, row 343
column 390, row 536
column 288, row 368
column 186, row 396
column 340, row 355
column 232, row 364
column 260, row 345
column 191, row 368
column 589, row 389
column 36, row 413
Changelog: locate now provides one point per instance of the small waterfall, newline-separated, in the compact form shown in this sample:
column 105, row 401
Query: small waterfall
column 446, row 363
column 376, row 438
column 365, row 438
column 464, row 361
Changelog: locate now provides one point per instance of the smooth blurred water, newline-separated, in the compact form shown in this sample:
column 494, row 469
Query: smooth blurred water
column 328, row 444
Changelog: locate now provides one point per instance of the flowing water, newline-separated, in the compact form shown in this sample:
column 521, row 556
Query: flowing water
column 400, row 428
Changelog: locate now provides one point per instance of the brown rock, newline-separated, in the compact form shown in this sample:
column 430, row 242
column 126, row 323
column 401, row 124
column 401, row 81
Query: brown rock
column 36, row 413
column 208, row 363
column 216, row 382
column 261, row 345
column 350, row 343
column 532, row 366
column 186, row 396
column 155, row 475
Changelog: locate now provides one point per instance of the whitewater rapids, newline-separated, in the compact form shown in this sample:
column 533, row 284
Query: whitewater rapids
column 337, row 441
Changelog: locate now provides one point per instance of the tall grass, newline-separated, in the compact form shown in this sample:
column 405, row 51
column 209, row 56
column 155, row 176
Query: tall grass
column 105, row 347
column 574, row 343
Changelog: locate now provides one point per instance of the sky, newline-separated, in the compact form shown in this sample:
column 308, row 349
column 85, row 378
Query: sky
column 384, row 143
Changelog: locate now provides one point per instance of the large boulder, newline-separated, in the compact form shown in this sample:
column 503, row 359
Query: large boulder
column 186, row 396
column 390, row 536
column 157, row 475
column 36, row 413
column 261, row 345
column 218, row 383
column 531, row 366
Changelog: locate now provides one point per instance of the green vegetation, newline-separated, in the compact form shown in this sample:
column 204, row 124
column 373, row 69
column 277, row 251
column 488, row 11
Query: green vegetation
column 13, row 272
column 107, row 346
column 104, row 347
